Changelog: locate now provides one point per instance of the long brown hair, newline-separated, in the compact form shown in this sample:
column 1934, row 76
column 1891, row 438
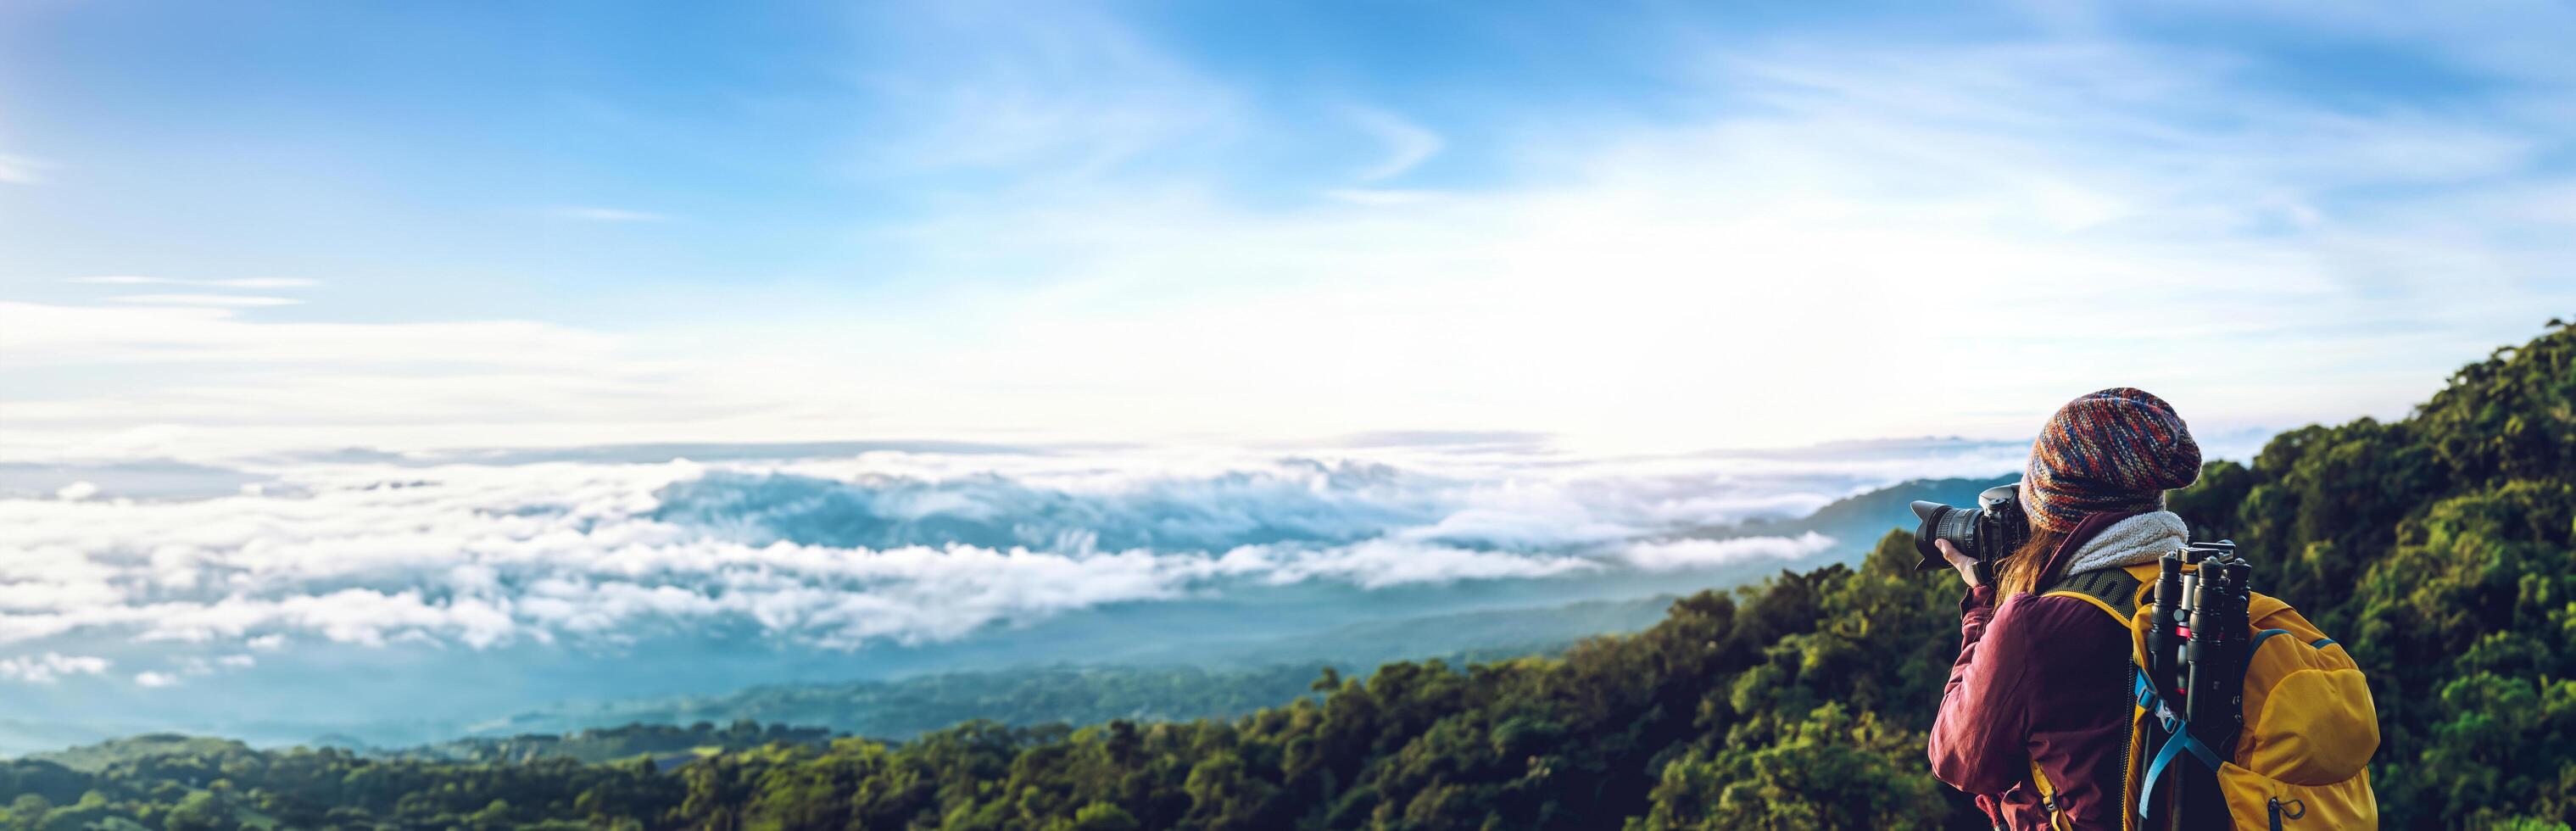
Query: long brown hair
column 2019, row 571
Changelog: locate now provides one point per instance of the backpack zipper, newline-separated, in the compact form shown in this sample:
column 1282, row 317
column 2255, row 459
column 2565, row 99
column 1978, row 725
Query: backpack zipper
column 2276, row 813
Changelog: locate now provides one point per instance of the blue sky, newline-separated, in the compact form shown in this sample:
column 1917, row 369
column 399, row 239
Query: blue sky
column 234, row 227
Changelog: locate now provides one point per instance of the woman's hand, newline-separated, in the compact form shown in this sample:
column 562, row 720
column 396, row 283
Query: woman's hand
column 1966, row 565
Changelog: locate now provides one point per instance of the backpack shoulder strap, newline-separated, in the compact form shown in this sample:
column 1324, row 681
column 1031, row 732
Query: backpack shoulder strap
column 2048, row 798
column 2114, row 590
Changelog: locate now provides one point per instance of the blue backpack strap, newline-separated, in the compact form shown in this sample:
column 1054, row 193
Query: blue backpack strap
column 2154, row 705
column 2260, row 637
column 2179, row 741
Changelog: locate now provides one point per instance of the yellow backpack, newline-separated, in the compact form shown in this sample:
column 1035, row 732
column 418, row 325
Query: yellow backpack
column 2302, row 761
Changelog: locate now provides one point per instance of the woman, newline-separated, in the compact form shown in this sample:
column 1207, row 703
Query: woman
column 2042, row 683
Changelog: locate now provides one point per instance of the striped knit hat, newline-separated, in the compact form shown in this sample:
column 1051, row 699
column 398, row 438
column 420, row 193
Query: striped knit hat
column 2115, row 450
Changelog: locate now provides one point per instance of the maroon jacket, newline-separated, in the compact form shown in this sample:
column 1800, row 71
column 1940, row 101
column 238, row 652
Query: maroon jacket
column 2039, row 679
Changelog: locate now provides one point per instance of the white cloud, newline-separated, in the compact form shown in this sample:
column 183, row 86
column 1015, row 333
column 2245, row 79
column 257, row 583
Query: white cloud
column 1377, row 564
column 155, row 679
column 592, row 213
column 1407, row 144
column 482, row 557
column 77, row 491
column 19, row 170
column 240, row 283
column 254, row 384
column 215, row 300
column 1673, row 555
column 49, row 667
column 1381, row 196
column 1059, row 94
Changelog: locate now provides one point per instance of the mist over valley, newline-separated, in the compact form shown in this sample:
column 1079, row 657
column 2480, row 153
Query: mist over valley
column 396, row 599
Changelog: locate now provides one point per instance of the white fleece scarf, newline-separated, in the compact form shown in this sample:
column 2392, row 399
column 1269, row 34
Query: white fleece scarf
column 2138, row 539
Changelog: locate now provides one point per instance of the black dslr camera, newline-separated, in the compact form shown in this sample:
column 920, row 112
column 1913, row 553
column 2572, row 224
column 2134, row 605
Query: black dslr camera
column 1989, row 532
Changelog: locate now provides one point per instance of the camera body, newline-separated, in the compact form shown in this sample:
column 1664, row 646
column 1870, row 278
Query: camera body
column 1986, row 533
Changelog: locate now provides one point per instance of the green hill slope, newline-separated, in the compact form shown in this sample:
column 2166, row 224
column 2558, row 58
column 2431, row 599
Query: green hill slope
column 98, row 757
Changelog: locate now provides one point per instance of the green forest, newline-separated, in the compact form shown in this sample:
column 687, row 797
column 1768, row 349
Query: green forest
column 897, row 709
column 2440, row 548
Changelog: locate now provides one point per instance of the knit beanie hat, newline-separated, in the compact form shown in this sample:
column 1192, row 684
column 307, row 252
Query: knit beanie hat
column 2118, row 449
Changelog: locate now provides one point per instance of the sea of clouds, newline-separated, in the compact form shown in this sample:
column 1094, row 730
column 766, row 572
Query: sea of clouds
column 118, row 578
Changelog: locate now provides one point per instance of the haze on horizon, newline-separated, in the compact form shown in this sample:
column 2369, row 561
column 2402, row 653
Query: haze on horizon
column 239, row 228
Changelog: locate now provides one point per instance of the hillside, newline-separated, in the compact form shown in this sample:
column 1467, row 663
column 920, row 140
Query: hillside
column 1866, row 516
column 97, row 757
column 2440, row 548
column 663, row 742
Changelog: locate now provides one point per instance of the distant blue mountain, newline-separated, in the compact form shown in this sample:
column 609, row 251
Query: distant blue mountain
column 1856, row 522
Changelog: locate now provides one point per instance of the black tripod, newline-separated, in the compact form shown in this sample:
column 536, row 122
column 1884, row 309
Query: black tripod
column 2193, row 685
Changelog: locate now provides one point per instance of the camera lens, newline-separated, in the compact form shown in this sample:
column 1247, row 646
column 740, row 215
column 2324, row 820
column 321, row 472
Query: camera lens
column 1987, row 532
column 1960, row 528
column 1943, row 522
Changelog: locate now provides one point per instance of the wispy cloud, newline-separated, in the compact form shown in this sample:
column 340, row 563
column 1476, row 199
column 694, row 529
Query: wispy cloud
column 193, row 666
column 593, row 213
column 41, row 334
column 20, row 170
column 49, row 667
column 1381, row 196
column 1702, row 553
column 1053, row 94
column 1407, row 144
column 217, row 300
column 240, row 283
column 471, row 382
